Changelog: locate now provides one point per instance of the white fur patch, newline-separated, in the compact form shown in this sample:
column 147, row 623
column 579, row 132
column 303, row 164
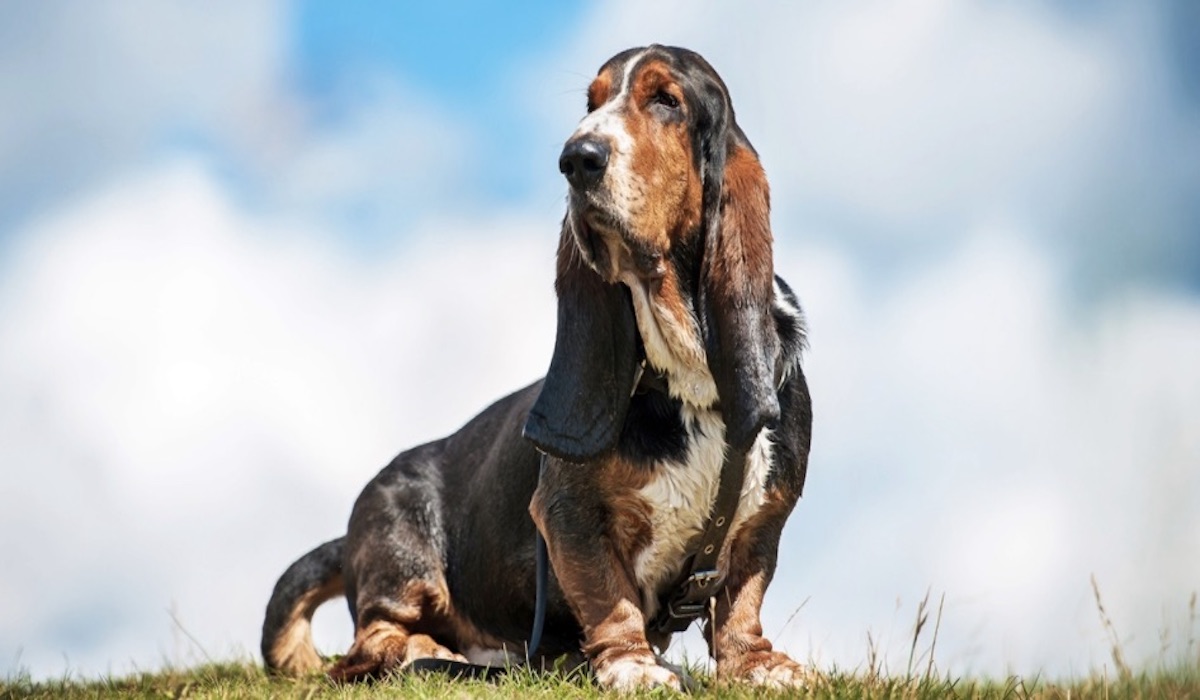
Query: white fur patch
column 754, row 484
column 681, row 495
column 785, row 306
column 783, row 303
column 673, row 346
column 784, row 674
column 626, row 675
column 607, row 121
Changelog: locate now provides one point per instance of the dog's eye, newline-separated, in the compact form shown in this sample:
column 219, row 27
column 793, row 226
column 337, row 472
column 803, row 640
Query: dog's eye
column 666, row 99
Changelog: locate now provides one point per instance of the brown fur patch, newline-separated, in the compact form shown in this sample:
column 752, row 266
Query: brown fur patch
column 293, row 651
column 378, row 648
column 615, row 476
column 630, row 527
column 600, row 90
column 617, row 633
column 742, row 266
column 418, row 623
column 661, row 162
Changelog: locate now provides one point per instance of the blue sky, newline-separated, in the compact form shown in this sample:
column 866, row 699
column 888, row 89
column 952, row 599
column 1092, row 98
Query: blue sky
column 460, row 54
column 457, row 51
column 233, row 240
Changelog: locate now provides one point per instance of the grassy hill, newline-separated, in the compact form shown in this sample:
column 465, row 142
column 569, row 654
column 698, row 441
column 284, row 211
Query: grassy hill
column 1167, row 680
column 247, row 680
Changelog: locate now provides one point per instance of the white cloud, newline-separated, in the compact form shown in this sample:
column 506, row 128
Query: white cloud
column 973, row 437
column 390, row 160
column 193, row 396
column 113, row 88
column 897, row 126
column 101, row 84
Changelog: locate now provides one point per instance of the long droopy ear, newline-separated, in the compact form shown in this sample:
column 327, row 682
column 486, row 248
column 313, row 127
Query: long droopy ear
column 579, row 414
column 736, row 289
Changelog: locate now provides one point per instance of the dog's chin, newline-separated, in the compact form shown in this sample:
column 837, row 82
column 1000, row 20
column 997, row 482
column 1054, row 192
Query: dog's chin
column 595, row 236
column 611, row 250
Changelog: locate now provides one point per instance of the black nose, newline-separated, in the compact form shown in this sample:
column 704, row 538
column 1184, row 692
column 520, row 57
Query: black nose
column 583, row 161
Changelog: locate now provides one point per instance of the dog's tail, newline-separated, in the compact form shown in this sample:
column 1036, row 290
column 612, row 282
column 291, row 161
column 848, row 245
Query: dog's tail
column 287, row 645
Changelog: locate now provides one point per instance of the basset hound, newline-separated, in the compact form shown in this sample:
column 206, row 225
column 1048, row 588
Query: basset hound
column 677, row 346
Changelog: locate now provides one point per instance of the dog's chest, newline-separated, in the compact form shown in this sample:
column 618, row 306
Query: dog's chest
column 680, row 495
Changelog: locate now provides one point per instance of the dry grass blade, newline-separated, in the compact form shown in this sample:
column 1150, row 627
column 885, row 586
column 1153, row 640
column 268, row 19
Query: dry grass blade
column 922, row 618
column 874, row 669
column 937, row 626
column 1118, row 656
column 1191, row 641
column 191, row 638
column 791, row 617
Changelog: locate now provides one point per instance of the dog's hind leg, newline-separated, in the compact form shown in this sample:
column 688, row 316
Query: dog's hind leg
column 395, row 575
column 391, row 633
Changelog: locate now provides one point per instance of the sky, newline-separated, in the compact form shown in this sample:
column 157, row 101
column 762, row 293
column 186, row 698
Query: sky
column 233, row 245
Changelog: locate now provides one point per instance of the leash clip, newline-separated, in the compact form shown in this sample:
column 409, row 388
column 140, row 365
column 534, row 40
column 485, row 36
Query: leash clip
column 703, row 579
column 689, row 602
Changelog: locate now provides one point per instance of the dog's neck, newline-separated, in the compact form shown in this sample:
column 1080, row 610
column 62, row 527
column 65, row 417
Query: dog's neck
column 666, row 317
column 666, row 320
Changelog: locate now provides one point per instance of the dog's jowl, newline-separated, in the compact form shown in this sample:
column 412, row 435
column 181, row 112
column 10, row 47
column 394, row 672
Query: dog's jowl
column 677, row 358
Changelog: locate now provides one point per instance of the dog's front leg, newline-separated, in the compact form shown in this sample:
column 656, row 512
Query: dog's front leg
column 585, row 544
column 735, row 634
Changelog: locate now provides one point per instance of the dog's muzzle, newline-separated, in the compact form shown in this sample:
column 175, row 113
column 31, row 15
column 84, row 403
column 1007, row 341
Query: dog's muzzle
column 583, row 161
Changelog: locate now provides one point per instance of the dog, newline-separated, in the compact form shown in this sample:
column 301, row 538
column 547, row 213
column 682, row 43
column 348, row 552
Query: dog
column 677, row 346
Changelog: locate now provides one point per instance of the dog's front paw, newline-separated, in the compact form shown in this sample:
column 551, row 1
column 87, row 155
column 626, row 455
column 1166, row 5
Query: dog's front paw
column 630, row 673
column 768, row 670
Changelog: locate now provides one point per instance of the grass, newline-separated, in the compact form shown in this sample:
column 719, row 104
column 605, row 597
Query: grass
column 921, row 679
column 247, row 680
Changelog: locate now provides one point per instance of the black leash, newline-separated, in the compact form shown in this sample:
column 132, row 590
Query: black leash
column 459, row 670
column 541, row 556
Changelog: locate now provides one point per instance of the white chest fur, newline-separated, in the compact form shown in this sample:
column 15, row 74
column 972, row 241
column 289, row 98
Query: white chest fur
column 673, row 346
column 681, row 494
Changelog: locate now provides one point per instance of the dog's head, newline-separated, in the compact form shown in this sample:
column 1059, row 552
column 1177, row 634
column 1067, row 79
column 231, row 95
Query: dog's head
column 668, row 199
